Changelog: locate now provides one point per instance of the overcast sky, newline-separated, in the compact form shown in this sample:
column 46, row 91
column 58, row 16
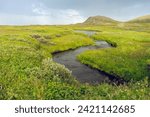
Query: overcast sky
column 26, row 12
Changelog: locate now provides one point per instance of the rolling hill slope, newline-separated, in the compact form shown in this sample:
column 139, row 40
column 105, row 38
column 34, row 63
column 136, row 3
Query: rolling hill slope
column 99, row 20
column 142, row 19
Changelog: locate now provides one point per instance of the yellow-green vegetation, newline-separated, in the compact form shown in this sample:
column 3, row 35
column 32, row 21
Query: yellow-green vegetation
column 27, row 70
column 128, row 60
column 70, row 41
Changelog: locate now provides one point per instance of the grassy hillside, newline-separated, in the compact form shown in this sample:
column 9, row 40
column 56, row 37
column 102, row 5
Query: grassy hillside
column 99, row 20
column 27, row 70
column 142, row 19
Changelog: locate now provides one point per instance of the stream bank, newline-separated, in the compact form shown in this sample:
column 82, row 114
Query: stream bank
column 81, row 72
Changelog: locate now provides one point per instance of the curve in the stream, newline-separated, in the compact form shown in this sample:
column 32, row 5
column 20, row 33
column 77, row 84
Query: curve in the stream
column 82, row 72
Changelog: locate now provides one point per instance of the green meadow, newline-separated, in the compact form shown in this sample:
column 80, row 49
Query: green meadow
column 129, row 57
column 27, row 70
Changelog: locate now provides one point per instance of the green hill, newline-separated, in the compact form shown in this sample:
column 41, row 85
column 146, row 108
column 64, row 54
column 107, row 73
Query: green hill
column 99, row 20
column 142, row 19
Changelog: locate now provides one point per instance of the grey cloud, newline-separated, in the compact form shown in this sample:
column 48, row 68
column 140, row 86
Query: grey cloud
column 80, row 9
column 120, row 9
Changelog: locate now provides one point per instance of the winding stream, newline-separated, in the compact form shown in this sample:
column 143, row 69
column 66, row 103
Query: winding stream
column 83, row 73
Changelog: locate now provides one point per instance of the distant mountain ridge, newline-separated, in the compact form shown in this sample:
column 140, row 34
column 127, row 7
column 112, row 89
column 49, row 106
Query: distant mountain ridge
column 142, row 19
column 103, row 20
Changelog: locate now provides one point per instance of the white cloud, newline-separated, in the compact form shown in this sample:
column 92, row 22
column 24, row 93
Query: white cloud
column 40, row 9
column 71, row 15
column 43, row 16
column 60, row 16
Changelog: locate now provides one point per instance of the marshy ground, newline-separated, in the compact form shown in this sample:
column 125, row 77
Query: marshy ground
column 27, row 70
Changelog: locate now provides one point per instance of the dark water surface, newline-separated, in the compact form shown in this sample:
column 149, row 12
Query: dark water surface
column 83, row 73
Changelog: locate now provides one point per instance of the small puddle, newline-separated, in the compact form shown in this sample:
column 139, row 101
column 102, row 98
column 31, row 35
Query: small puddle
column 82, row 72
column 87, row 32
